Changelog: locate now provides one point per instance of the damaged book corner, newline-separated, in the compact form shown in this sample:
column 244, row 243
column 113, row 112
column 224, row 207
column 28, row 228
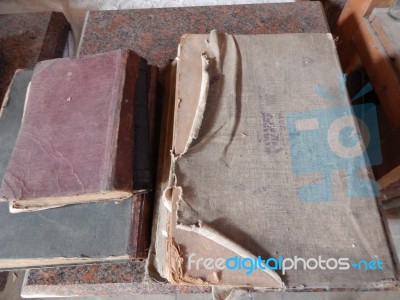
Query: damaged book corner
column 260, row 169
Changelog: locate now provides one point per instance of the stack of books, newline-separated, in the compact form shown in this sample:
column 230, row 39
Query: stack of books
column 76, row 161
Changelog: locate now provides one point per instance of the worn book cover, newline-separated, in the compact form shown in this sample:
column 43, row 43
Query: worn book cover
column 11, row 115
column 76, row 142
column 388, row 32
column 84, row 233
column 270, row 183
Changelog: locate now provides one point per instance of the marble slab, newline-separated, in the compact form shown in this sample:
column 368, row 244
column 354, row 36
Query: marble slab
column 155, row 33
column 116, row 279
column 26, row 39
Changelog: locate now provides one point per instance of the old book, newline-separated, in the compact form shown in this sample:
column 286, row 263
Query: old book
column 266, row 189
column 11, row 115
column 85, row 233
column 76, row 141
column 28, row 38
column 388, row 32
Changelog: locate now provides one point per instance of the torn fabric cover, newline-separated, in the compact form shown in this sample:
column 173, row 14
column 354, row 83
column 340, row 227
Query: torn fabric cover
column 235, row 186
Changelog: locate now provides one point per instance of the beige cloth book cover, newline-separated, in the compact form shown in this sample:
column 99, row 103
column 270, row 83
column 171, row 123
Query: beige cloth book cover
column 263, row 165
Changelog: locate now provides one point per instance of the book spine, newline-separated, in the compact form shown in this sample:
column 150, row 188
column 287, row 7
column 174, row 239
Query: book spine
column 139, row 239
column 122, row 175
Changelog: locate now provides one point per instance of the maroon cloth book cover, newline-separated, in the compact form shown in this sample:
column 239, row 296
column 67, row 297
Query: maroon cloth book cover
column 76, row 140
